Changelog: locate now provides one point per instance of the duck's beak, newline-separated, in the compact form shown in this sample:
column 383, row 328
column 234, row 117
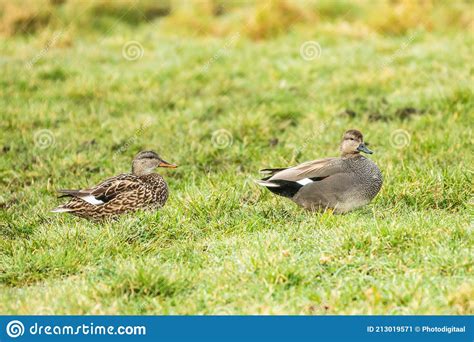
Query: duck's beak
column 168, row 165
column 363, row 148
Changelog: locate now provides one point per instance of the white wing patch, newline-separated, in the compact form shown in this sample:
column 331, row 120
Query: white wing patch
column 304, row 181
column 91, row 199
column 61, row 210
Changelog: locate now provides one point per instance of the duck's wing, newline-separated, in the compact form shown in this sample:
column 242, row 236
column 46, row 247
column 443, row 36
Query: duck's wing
column 107, row 190
column 312, row 169
column 271, row 171
column 287, row 181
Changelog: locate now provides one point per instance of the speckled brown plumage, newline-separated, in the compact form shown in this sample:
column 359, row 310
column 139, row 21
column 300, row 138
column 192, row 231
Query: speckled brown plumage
column 121, row 194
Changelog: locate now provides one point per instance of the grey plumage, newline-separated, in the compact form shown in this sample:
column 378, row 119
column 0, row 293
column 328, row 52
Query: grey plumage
column 341, row 184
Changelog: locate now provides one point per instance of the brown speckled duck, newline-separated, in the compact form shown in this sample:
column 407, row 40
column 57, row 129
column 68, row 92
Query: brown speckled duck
column 341, row 184
column 141, row 189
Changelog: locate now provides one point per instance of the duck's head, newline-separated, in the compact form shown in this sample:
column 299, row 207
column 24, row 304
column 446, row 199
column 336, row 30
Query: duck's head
column 147, row 161
column 353, row 143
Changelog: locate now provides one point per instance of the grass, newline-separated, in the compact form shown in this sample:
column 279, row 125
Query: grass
column 73, row 114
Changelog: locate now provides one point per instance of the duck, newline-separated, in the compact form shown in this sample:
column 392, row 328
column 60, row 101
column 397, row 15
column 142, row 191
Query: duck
column 125, row 193
column 339, row 184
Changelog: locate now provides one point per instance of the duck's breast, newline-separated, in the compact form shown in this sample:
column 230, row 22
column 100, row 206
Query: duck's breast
column 155, row 189
column 368, row 178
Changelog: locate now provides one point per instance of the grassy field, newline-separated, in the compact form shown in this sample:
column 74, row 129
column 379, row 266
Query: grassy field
column 74, row 111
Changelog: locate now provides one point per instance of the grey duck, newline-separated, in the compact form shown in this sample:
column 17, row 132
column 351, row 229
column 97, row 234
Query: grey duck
column 340, row 184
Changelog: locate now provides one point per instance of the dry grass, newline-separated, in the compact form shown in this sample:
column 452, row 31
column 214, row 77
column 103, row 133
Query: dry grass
column 401, row 16
column 24, row 17
column 275, row 17
column 262, row 19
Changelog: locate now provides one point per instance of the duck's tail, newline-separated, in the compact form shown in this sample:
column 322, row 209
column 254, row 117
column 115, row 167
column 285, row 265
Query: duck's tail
column 264, row 182
column 280, row 187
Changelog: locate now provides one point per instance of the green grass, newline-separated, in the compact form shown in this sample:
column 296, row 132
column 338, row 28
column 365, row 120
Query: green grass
column 222, row 245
